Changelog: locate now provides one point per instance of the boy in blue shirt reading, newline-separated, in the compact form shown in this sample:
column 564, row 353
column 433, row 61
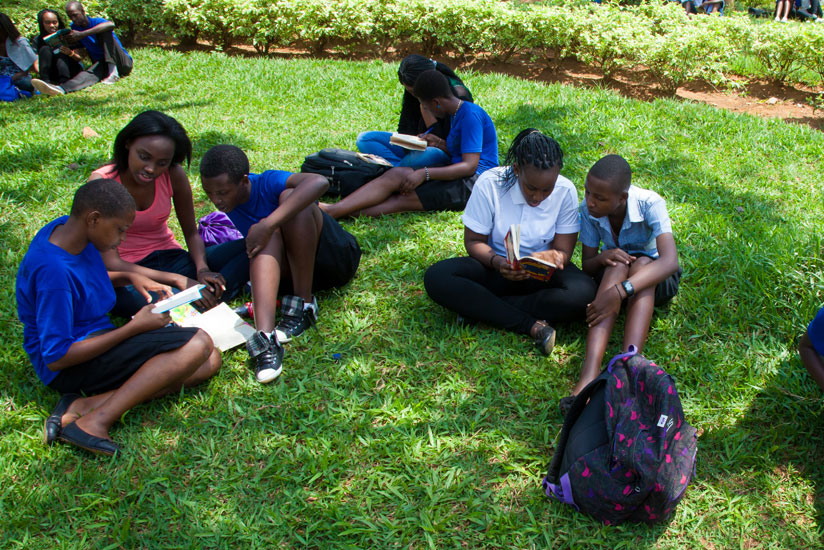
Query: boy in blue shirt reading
column 63, row 296
column 811, row 348
column 637, row 263
column 110, row 61
column 287, row 236
column 472, row 145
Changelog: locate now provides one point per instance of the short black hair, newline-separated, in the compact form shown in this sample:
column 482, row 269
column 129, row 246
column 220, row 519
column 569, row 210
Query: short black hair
column 75, row 3
column 613, row 169
column 432, row 84
column 106, row 196
column 531, row 148
column 225, row 159
column 41, row 27
column 151, row 123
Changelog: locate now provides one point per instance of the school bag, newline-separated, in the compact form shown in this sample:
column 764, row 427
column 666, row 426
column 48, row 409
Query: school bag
column 345, row 170
column 627, row 454
column 8, row 91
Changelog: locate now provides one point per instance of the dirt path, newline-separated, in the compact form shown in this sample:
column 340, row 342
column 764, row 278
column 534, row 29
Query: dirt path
column 764, row 99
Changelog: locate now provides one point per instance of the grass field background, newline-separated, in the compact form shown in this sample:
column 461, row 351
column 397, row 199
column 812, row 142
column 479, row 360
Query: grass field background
column 424, row 433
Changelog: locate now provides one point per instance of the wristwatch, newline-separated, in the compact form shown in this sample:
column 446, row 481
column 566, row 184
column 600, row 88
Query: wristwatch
column 628, row 288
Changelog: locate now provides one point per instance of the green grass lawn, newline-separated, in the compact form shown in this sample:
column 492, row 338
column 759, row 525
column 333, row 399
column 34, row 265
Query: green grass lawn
column 425, row 434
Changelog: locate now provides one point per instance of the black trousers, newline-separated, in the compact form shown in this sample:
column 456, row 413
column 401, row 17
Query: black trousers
column 57, row 68
column 468, row 288
column 113, row 54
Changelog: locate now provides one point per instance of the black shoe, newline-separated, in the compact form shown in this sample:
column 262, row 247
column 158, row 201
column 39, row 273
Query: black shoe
column 296, row 319
column 268, row 356
column 54, row 423
column 565, row 404
column 546, row 339
column 77, row 437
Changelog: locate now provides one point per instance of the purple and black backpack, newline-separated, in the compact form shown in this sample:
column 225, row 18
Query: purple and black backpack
column 626, row 453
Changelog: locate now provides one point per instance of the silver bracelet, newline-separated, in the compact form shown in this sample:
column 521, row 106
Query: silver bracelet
column 426, row 169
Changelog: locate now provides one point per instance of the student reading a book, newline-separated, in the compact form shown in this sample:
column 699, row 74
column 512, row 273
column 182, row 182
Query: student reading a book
column 529, row 191
column 414, row 119
column 147, row 158
column 110, row 60
column 811, row 348
column 63, row 296
column 637, row 263
column 472, row 145
column 56, row 64
column 17, row 58
column 292, row 246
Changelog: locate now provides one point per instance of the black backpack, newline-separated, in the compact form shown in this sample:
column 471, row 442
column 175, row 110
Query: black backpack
column 346, row 170
column 626, row 452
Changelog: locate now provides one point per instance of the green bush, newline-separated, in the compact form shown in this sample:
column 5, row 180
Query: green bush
column 653, row 36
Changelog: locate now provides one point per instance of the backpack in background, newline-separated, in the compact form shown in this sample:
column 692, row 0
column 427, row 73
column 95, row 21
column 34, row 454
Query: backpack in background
column 8, row 91
column 627, row 454
column 346, row 170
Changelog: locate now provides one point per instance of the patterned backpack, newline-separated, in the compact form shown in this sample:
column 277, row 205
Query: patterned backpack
column 627, row 454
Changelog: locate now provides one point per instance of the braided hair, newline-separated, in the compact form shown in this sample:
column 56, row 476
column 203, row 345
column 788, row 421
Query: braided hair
column 531, row 148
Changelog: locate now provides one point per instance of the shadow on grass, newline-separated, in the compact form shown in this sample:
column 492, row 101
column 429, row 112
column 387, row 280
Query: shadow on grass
column 779, row 433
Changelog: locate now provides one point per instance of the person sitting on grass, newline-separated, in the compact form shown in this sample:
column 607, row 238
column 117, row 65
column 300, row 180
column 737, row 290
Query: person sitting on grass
column 110, row 61
column 55, row 65
column 414, row 119
column 287, row 237
column 782, row 10
column 63, row 296
column 528, row 191
column 811, row 348
column 638, row 262
column 147, row 158
column 472, row 145
column 17, row 58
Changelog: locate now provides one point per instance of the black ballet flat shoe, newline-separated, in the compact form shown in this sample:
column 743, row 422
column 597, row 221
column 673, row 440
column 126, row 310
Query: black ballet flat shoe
column 54, row 423
column 77, row 437
column 545, row 340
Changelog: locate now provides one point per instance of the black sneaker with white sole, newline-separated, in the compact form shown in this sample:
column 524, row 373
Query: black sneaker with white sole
column 296, row 317
column 268, row 356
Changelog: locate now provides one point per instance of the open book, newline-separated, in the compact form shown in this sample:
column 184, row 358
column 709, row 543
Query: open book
column 225, row 326
column 413, row 143
column 191, row 294
column 59, row 38
column 534, row 267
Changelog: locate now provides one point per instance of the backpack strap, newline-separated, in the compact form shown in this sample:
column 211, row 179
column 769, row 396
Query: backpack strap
column 631, row 350
column 552, row 476
column 562, row 492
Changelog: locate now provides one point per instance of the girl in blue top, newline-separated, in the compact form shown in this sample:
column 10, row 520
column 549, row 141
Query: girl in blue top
column 472, row 145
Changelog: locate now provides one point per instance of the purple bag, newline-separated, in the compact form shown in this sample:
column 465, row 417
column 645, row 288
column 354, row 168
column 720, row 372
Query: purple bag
column 217, row 228
column 626, row 453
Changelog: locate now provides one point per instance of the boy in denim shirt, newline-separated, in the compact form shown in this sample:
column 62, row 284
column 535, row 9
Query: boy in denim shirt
column 638, row 261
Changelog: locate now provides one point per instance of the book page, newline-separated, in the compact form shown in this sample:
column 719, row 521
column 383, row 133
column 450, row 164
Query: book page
column 407, row 141
column 225, row 326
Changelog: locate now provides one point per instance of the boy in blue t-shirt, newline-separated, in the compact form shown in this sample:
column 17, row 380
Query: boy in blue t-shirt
column 286, row 236
column 63, row 296
column 110, row 60
column 638, row 262
column 472, row 144
column 811, row 348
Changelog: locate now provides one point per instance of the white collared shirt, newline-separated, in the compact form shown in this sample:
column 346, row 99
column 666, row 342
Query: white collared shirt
column 491, row 210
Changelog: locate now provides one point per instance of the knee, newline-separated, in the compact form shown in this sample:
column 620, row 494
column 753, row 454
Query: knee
column 640, row 262
column 362, row 139
column 202, row 347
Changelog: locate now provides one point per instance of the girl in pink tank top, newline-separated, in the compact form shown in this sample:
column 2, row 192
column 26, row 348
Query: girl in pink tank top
column 148, row 153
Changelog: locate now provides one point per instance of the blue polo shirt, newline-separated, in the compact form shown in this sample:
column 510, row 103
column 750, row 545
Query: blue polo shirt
column 61, row 298
column 264, row 198
column 646, row 218
column 472, row 131
column 94, row 49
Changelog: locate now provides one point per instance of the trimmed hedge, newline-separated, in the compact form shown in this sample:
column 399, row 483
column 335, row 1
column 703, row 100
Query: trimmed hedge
column 653, row 36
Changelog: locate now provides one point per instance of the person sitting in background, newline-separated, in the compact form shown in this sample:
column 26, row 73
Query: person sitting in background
column 808, row 10
column 782, row 10
column 414, row 119
column 713, row 6
column 56, row 65
column 110, row 60
column 17, row 57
